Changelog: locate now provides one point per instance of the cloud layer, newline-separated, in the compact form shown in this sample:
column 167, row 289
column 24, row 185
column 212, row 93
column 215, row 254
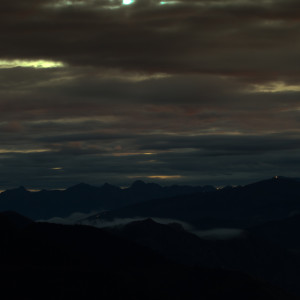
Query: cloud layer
column 204, row 91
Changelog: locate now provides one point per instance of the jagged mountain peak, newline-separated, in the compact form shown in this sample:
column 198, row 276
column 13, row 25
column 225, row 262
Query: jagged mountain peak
column 18, row 190
column 138, row 184
column 109, row 187
column 80, row 186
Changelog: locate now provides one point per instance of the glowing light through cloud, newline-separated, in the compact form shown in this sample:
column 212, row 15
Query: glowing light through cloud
column 168, row 2
column 164, row 176
column 275, row 87
column 127, row 2
column 36, row 64
column 131, row 154
column 66, row 3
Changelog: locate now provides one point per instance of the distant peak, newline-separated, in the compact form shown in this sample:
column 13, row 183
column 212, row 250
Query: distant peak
column 18, row 189
column 145, row 222
column 80, row 186
column 138, row 183
column 276, row 181
column 148, row 221
column 227, row 188
column 208, row 188
column 21, row 188
column 108, row 186
column 283, row 178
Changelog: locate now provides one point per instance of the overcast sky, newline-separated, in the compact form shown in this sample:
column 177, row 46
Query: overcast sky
column 193, row 91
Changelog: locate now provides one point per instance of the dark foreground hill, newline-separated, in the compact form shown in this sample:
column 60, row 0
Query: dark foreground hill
column 283, row 232
column 243, row 252
column 50, row 261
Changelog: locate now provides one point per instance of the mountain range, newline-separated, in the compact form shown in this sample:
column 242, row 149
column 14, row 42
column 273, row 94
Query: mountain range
column 177, row 242
column 85, row 198
column 240, row 207
column 247, row 252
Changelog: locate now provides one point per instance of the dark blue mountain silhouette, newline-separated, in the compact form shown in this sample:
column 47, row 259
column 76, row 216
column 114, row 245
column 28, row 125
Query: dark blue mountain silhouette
column 239, row 207
column 50, row 261
column 281, row 232
column 84, row 198
column 248, row 253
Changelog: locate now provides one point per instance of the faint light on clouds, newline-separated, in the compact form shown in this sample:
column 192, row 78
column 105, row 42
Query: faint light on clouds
column 131, row 153
column 168, row 2
column 36, row 64
column 25, row 151
column 275, row 87
column 164, row 176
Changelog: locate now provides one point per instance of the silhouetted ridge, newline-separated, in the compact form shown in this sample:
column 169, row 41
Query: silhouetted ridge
column 80, row 187
column 20, row 191
column 142, row 225
column 209, row 188
column 227, row 187
column 7, row 229
column 110, row 188
column 281, row 232
column 84, row 198
column 237, row 207
column 245, row 252
column 16, row 219
column 278, row 183
column 50, row 261
column 138, row 184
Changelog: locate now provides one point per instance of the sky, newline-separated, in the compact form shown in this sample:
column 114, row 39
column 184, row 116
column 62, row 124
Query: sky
column 175, row 92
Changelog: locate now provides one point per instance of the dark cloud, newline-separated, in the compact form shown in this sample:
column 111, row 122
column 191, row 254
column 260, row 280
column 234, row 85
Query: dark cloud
column 192, row 36
column 209, row 88
column 224, row 144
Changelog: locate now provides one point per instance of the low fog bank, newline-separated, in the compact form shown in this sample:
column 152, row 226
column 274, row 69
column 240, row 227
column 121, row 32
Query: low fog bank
column 220, row 233
column 74, row 218
column 81, row 218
